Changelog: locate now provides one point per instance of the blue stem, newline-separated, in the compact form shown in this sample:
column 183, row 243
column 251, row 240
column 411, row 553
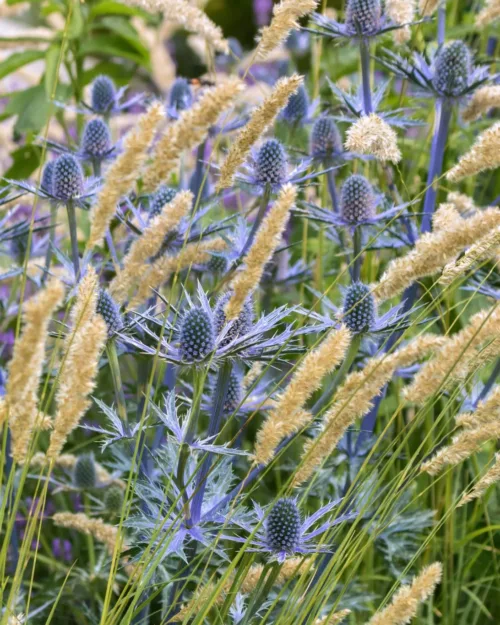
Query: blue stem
column 365, row 73
column 442, row 23
column 439, row 140
column 199, row 179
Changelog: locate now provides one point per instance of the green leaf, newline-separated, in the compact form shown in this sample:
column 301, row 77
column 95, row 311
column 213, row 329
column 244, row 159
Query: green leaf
column 51, row 69
column 76, row 23
column 32, row 107
column 119, row 72
column 122, row 27
column 108, row 7
column 109, row 45
column 25, row 160
column 19, row 59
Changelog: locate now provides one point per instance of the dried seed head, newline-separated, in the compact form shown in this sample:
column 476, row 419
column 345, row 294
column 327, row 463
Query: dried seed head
column 234, row 393
column 358, row 202
column 197, row 338
column 67, row 178
column 84, row 473
column 181, row 95
column 163, row 196
column 48, row 177
column 452, row 69
column 363, row 15
column 103, row 94
column 217, row 263
column 359, row 307
column 96, row 140
column 271, row 163
column 113, row 500
column 297, row 106
column 283, row 526
column 325, row 137
column 239, row 326
column 110, row 311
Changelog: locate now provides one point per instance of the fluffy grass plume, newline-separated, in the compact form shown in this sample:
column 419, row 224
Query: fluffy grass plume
column 428, row 7
column 101, row 531
column 483, row 100
column 484, row 155
column 492, row 476
column 261, row 119
column 123, row 173
column 26, row 367
column 490, row 14
column 401, row 12
column 267, row 239
column 485, row 248
column 288, row 415
column 372, row 136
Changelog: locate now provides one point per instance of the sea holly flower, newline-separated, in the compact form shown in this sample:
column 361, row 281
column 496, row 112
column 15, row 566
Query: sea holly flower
column 180, row 98
column 299, row 110
column 359, row 309
column 197, row 335
column 110, row 311
column 106, row 99
column 84, row 472
column 282, row 532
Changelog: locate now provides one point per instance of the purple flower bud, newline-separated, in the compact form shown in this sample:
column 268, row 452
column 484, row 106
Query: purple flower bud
column 271, row 165
column 67, row 178
column 103, row 94
column 325, row 137
column 96, row 141
column 48, row 176
column 297, row 106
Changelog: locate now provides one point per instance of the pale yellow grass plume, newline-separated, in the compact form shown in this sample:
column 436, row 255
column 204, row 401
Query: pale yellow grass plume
column 483, row 100
column 486, row 412
column 454, row 359
column 490, row 13
column 333, row 619
column 373, row 136
column 260, row 120
column 486, row 248
column 285, row 18
column 484, row 154
column 489, row 478
column 190, row 130
column 401, row 12
column 404, row 605
column 355, row 398
column 149, row 244
column 83, row 347
column 288, row 416
column 462, row 447
column 101, row 531
column 462, row 203
column 190, row 17
column 122, row 174
column 3, row 410
column 292, row 567
column 163, row 268
column 253, row 374
column 266, row 240
column 26, row 366
column 434, row 250
column 427, row 7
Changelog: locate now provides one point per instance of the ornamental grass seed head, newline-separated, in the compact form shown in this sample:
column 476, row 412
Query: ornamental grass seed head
column 103, row 94
column 197, row 336
column 325, row 138
column 359, row 310
column 96, row 140
column 67, row 178
column 84, row 472
column 358, row 201
column 271, row 163
column 452, row 69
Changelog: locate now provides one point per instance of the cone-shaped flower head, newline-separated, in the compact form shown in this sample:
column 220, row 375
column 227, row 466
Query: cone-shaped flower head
column 113, row 500
column 297, row 106
column 283, row 526
column 67, row 178
column 363, row 16
column 359, row 307
column 325, row 137
column 239, row 326
column 48, row 177
column 197, row 337
column 84, row 473
column 358, row 201
column 181, row 95
column 217, row 264
column 163, row 196
column 110, row 311
column 271, row 163
column 96, row 141
column 234, row 393
column 452, row 69
column 103, row 94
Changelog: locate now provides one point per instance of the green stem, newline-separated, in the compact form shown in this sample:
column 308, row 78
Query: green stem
column 264, row 585
column 74, row 238
column 52, row 238
column 357, row 256
column 114, row 365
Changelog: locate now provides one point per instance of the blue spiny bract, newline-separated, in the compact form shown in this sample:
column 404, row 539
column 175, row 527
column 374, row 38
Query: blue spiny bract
column 359, row 308
column 271, row 165
column 197, row 337
column 283, row 526
column 239, row 326
column 357, row 202
column 67, row 178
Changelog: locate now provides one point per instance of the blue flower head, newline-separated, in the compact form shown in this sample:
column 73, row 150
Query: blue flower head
column 48, row 176
column 113, row 500
column 359, row 311
column 218, row 264
column 67, row 178
column 234, row 393
column 96, row 140
column 84, row 473
column 452, row 69
column 297, row 107
column 163, row 195
column 326, row 141
column 363, row 16
column 110, row 311
column 180, row 97
column 283, row 527
column 358, row 201
column 271, row 163
column 239, row 326
column 197, row 336
column 103, row 94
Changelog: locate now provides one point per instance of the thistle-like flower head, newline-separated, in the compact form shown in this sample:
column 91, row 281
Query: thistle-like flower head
column 103, row 94
column 84, row 473
column 234, row 393
column 218, row 263
column 96, row 140
column 271, row 163
column 325, row 138
column 359, row 310
column 283, row 526
column 163, row 195
column 180, row 97
column 197, row 336
column 452, row 69
column 67, row 178
column 297, row 107
column 48, row 176
column 239, row 326
column 110, row 311
column 113, row 500
column 358, row 201
column 363, row 16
